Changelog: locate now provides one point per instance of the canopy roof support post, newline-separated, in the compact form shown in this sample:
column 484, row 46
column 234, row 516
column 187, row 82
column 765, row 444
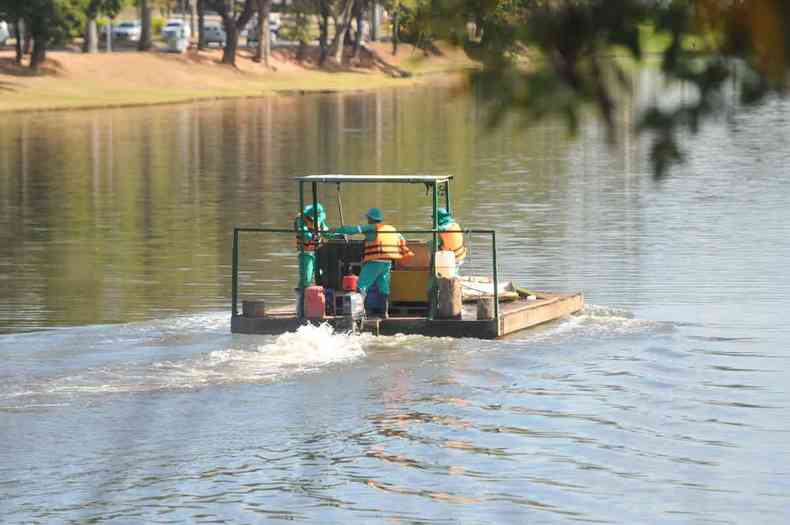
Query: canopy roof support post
column 434, row 299
column 496, row 281
column 447, row 197
column 315, row 228
column 235, row 274
column 300, row 238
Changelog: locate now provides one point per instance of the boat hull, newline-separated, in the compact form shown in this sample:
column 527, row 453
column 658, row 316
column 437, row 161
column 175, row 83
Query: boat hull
column 513, row 317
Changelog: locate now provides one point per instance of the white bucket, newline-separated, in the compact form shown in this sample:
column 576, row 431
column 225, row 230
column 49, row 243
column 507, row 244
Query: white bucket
column 445, row 264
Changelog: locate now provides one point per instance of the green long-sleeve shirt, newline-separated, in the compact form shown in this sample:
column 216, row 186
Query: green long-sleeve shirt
column 368, row 229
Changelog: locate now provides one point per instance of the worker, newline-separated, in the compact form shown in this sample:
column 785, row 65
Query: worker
column 383, row 244
column 451, row 237
column 306, row 235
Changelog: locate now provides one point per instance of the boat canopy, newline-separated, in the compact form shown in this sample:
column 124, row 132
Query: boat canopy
column 401, row 179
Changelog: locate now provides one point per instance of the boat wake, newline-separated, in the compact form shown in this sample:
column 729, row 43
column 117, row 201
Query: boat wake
column 242, row 361
column 597, row 322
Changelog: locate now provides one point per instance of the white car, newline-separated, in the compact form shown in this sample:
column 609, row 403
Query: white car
column 129, row 30
column 274, row 27
column 3, row 33
column 176, row 28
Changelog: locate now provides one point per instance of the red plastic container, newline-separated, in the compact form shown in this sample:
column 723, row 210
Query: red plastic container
column 350, row 283
column 314, row 302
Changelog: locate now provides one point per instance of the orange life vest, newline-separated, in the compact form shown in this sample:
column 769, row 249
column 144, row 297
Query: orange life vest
column 453, row 240
column 388, row 245
column 310, row 245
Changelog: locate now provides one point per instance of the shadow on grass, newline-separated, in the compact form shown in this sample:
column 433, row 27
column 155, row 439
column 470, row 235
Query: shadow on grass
column 366, row 59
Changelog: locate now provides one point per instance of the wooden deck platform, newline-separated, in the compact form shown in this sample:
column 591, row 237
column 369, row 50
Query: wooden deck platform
column 513, row 316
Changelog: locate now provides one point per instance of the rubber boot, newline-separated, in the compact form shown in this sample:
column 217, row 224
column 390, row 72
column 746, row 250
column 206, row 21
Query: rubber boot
column 299, row 303
column 364, row 308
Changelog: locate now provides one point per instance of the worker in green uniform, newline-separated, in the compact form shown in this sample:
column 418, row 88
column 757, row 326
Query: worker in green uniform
column 306, row 235
column 451, row 237
column 383, row 244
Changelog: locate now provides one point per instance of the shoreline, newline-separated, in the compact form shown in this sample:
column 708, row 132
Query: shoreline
column 75, row 81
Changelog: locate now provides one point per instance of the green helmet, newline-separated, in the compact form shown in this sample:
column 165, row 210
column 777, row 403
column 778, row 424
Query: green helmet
column 375, row 215
column 308, row 212
column 444, row 217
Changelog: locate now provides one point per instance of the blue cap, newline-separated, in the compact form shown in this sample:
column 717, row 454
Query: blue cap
column 375, row 215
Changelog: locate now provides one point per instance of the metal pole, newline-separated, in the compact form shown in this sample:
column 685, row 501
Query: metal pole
column 299, row 214
column 315, row 210
column 299, row 236
column 315, row 231
column 447, row 197
column 435, row 288
column 496, row 281
column 340, row 205
column 235, row 271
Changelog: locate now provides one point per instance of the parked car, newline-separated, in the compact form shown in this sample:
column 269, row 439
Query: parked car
column 3, row 33
column 129, row 30
column 176, row 34
column 252, row 30
column 176, row 28
column 214, row 33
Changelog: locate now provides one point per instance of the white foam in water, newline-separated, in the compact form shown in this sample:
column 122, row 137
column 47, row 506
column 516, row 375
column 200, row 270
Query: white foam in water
column 309, row 349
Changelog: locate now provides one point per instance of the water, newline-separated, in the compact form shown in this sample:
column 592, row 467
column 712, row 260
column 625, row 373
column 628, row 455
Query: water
column 125, row 399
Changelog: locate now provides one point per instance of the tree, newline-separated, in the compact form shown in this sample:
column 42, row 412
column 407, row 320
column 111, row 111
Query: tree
column 14, row 13
column 201, row 25
column 578, row 50
column 263, row 51
column 146, row 36
column 93, row 8
column 235, row 15
column 47, row 21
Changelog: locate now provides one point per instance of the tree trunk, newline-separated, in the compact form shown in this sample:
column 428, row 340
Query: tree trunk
column 264, row 44
column 109, row 36
column 20, row 31
column 374, row 21
column 193, row 30
column 146, row 42
column 360, row 32
column 28, row 40
column 395, row 24
column 324, row 32
column 342, row 30
column 201, row 22
column 233, row 27
column 91, row 44
column 40, row 33
column 232, row 43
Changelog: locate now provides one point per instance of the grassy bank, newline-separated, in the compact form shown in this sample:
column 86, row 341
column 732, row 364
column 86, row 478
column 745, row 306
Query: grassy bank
column 72, row 80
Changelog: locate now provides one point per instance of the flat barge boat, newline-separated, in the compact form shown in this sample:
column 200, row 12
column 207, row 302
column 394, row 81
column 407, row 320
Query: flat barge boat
column 412, row 310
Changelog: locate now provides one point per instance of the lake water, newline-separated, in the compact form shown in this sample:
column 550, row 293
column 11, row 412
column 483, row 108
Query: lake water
column 125, row 399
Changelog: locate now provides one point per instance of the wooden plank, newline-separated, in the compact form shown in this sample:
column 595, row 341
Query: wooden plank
column 525, row 316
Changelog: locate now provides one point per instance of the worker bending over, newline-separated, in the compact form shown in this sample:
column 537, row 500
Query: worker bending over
column 383, row 244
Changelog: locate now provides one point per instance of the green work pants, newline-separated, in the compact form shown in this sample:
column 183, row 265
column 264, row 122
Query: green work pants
column 375, row 272
column 306, row 269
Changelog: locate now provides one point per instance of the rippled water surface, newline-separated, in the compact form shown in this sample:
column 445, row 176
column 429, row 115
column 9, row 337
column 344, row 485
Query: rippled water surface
column 125, row 399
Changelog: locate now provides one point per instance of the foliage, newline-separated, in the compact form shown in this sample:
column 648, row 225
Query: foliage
column 577, row 55
column 157, row 24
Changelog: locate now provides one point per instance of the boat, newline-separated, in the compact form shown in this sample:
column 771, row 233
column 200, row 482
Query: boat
column 509, row 308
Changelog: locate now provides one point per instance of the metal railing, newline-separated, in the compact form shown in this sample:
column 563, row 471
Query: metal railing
column 236, row 242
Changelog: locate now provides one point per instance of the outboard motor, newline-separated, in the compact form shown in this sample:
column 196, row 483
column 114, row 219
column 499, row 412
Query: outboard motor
column 353, row 313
